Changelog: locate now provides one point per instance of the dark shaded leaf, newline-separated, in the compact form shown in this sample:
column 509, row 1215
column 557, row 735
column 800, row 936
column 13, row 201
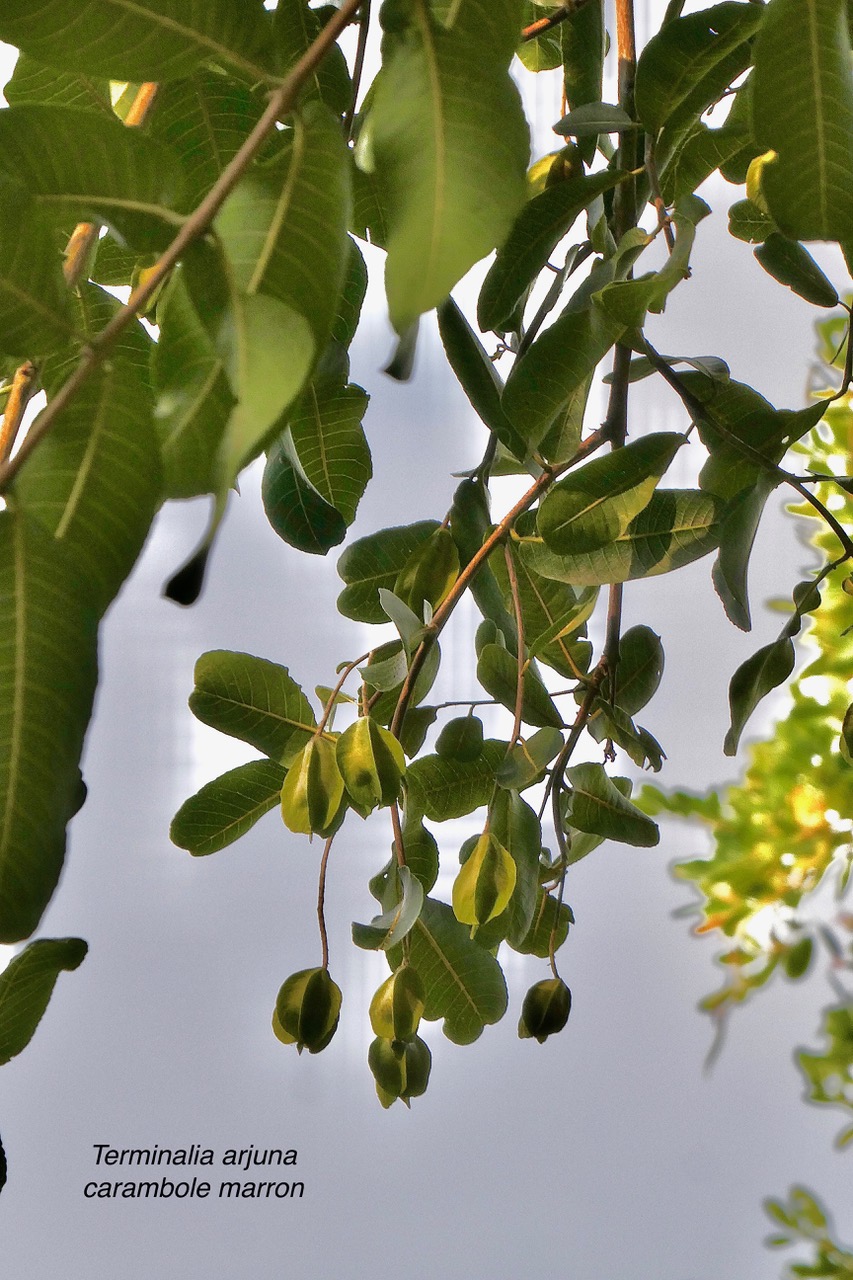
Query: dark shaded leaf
column 26, row 986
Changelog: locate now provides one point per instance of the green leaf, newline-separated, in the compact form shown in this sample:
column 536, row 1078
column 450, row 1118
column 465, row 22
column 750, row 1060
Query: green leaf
column 526, row 761
column 254, row 700
column 537, row 231
column 582, row 37
column 77, row 165
column 299, row 514
column 596, row 503
column 351, row 298
column 802, row 108
column 629, row 300
column 32, row 81
column 139, row 39
column 593, row 118
column 552, row 613
column 284, row 226
column 677, row 527
column 442, row 789
column 702, row 152
column 737, row 535
column 26, row 986
column 517, row 828
column 48, row 671
column 450, row 144
column 95, row 481
column 753, row 680
column 204, row 120
column 470, row 524
column 463, row 983
column 598, row 806
column 789, row 263
column 750, row 223
column 295, row 27
column 228, row 807
column 476, row 374
column 609, row 721
column 374, row 562
column 846, row 739
column 639, row 671
column 692, row 60
column 35, row 310
column 327, row 435
column 550, row 919
column 497, row 672
column 542, row 382
column 386, row 930
column 193, row 395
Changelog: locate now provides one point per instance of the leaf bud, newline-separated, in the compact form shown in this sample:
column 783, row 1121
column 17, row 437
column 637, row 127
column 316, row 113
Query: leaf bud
column 313, row 789
column 396, row 1008
column 485, row 882
column 401, row 1070
column 429, row 572
column 372, row 764
column 307, row 1010
column 545, row 1009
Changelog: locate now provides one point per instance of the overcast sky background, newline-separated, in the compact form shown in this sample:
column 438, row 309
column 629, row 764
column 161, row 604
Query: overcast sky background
column 606, row 1153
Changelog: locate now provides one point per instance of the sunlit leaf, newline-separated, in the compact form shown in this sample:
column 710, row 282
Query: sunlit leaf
column 228, row 807
column 254, row 700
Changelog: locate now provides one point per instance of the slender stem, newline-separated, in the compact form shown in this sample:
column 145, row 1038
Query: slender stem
column 358, row 65
column 460, row 586
column 519, row 625
column 664, row 220
column 330, row 701
column 629, row 154
column 281, row 102
column 321, row 901
column 397, row 828
column 23, row 386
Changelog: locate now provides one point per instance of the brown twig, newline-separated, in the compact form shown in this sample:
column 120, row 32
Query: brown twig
column 282, row 100
column 519, row 626
column 358, row 65
column 23, row 385
column 542, row 25
column 330, row 701
column 460, row 586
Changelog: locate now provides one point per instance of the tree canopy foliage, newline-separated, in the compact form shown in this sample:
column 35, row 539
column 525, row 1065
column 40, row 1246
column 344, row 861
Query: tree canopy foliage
column 223, row 163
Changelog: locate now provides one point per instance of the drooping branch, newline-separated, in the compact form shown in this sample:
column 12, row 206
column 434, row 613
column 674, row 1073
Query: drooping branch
column 282, row 100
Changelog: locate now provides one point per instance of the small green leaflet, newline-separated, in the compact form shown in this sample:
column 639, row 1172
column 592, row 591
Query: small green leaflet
column 226, row 808
column 373, row 562
column 254, row 700
column 527, row 760
column 386, row 930
column 26, row 986
column 802, row 108
column 596, row 805
column 476, row 374
column 595, row 504
column 450, row 143
column 639, row 670
column 789, row 263
column 764, row 671
column 463, row 983
column 140, row 39
column 299, row 514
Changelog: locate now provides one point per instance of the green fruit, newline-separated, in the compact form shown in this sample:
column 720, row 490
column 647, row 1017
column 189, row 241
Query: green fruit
column 485, row 882
column 396, row 1009
column 307, row 1010
column 545, row 1010
column 313, row 789
column 400, row 1070
column 372, row 764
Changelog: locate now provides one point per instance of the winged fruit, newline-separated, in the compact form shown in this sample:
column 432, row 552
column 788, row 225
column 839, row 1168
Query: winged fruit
column 484, row 884
column 545, row 1009
column 401, row 1070
column 396, row 1009
column 313, row 789
column 371, row 763
column 307, row 1010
